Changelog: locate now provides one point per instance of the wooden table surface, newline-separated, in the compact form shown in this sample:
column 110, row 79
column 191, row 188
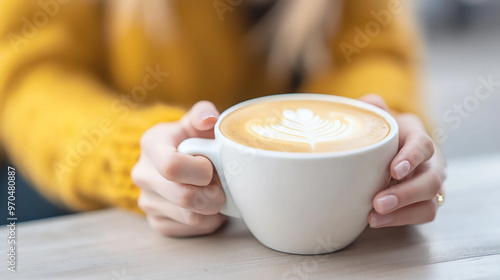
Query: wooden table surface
column 462, row 243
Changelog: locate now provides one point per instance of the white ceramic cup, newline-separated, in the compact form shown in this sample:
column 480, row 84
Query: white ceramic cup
column 300, row 203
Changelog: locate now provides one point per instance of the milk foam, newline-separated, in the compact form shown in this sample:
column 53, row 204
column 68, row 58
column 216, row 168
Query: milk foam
column 304, row 126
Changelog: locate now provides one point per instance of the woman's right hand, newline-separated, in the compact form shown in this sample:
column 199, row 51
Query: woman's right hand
column 180, row 194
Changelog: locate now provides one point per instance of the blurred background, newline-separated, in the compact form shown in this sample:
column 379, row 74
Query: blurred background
column 462, row 39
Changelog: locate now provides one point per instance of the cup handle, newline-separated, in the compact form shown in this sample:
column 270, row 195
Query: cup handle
column 210, row 149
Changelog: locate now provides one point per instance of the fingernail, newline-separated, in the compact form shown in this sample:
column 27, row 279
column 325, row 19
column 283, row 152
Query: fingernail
column 387, row 203
column 207, row 115
column 402, row 169
column 379, row 220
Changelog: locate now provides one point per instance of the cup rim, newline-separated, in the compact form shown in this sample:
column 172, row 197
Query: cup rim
column 394, row 128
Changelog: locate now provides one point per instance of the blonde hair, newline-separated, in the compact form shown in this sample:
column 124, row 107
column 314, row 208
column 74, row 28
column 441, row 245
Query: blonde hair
column 293, row 33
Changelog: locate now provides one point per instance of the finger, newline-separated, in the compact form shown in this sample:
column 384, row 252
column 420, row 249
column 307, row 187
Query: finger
column 201, row 117
column 175, row 229
column 417, row 213
column 375, row 100
column 417, row 147
column 153, row 204
column 198, row 200
column 424, row 185
column 186, row 169
column 174, row 166
column 204, row 200
column 158, row 145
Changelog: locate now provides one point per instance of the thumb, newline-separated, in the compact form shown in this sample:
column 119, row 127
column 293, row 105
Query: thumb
column 375, row 100
column 202, row 116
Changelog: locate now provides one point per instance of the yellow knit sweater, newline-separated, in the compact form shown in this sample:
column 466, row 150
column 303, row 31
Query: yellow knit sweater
column 78, row 89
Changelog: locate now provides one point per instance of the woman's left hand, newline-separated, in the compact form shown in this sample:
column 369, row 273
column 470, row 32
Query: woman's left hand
column 417, row 171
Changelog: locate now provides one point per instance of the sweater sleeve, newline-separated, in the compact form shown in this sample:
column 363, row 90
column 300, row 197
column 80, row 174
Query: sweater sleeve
column 373, row 51
column 73, row 137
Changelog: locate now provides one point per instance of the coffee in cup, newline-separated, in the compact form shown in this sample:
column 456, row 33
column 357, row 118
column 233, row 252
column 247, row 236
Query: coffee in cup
column 305, row 126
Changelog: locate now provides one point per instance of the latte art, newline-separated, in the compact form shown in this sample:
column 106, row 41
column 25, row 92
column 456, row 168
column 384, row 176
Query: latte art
column 304, row 126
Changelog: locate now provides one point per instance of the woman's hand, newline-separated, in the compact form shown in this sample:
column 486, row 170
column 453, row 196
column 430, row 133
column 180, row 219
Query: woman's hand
column 417, row 171
column 180, row 194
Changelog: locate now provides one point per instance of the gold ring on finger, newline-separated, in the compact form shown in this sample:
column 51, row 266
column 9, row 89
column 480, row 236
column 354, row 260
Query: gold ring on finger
column 440, row 198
